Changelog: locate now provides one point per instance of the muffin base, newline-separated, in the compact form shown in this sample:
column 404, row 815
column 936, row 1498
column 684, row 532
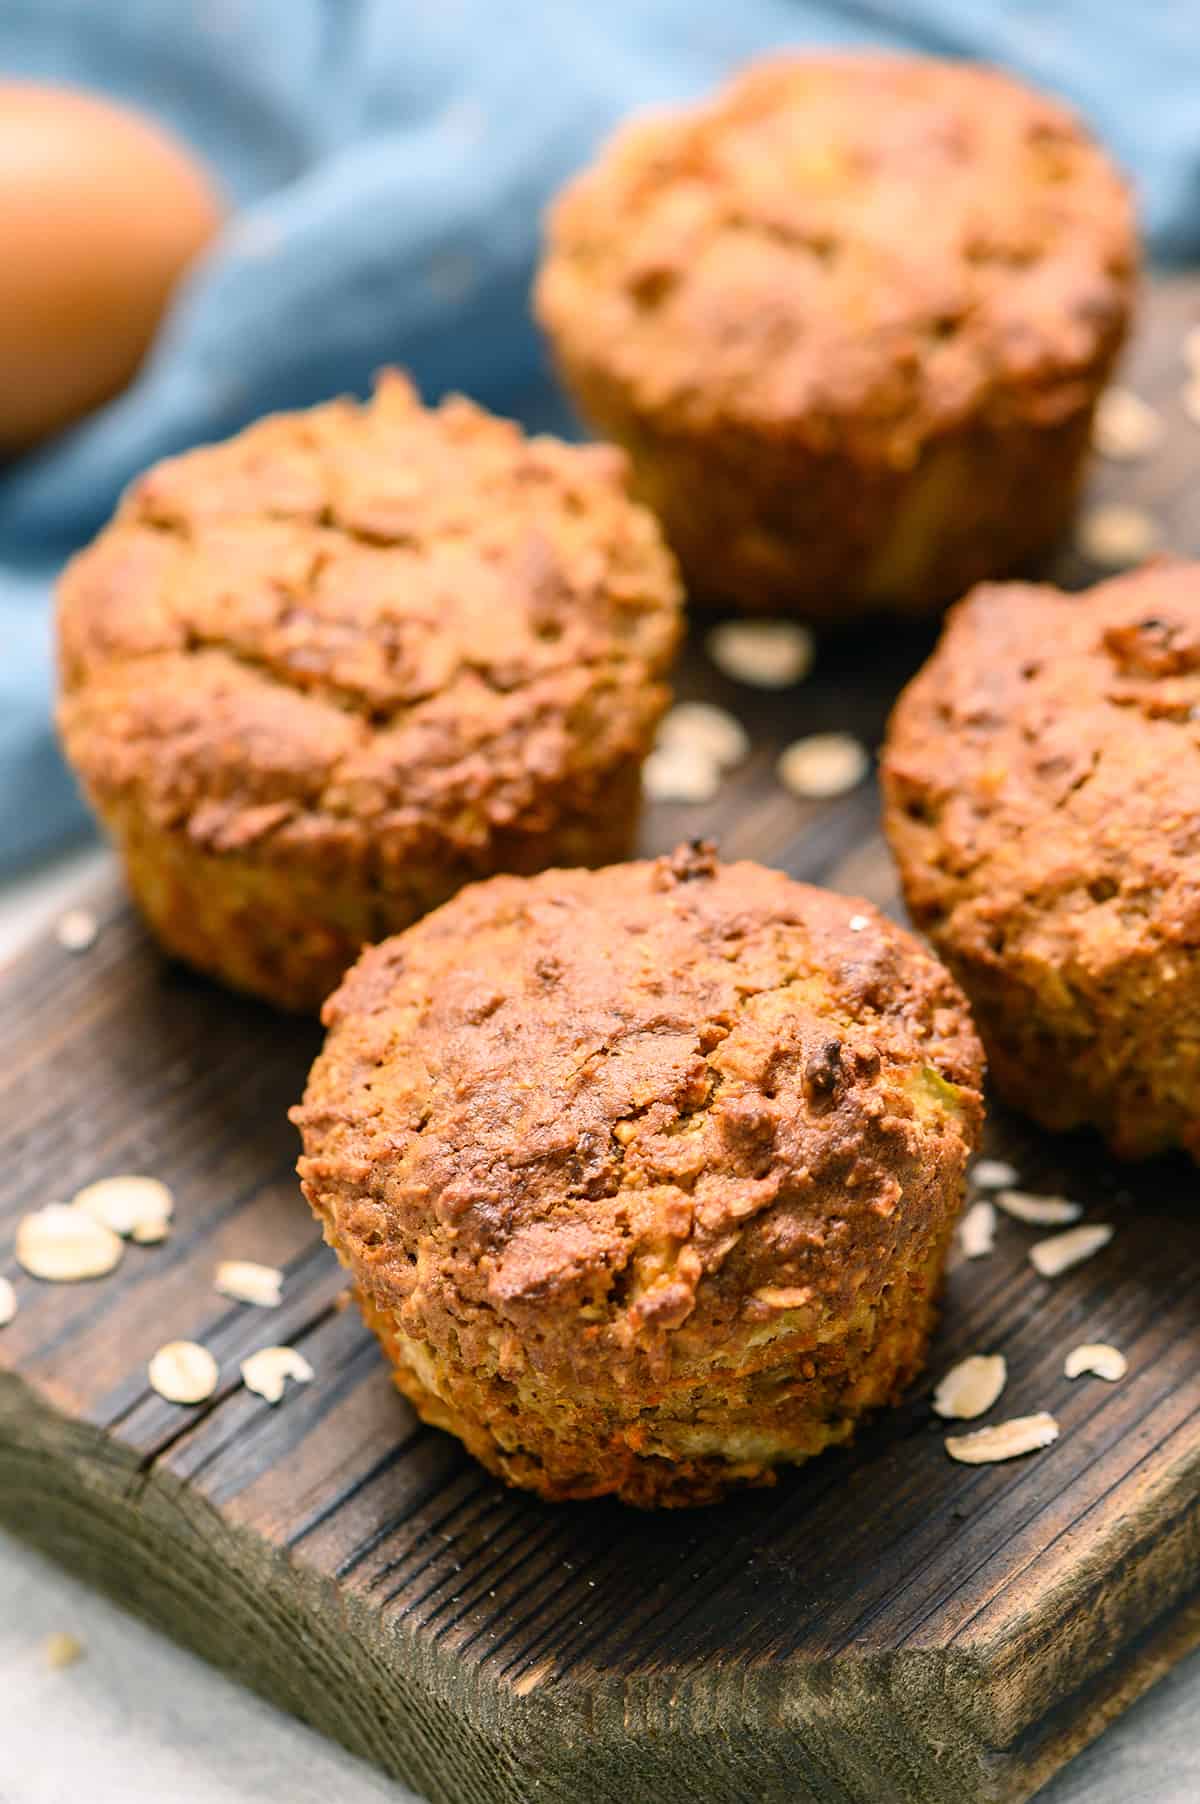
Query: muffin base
column 287, row 930
column 707, row 1431
column 1118, row 1052
column 772, row 527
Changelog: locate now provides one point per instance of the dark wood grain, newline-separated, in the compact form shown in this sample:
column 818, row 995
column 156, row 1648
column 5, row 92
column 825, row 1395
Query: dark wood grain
column 883, row 1626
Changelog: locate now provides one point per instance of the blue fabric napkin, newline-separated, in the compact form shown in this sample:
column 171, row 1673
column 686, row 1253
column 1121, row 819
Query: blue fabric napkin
column 388, row 161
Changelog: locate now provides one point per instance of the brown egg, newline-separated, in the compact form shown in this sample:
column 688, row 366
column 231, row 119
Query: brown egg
column 101, row 210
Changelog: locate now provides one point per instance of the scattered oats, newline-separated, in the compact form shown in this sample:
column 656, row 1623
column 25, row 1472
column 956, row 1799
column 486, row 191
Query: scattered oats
column 265, row 1372
column 1126, row 427
column 993, row 1174
column 183, row 1372
column 766, row 654
column 62, row 1649
column 8, row 1302
column 971, row 1387
column 1190, row 397
column 977, row 1230
column 131, row 1206
column 677, row 773
column 1062, row 1251
column 77, row 930
column 1043, row 1211
column 1098, row 1359
column 63, row 1244
column 1116, row 534
column 858, row 922
column 1191, row 349
column 823, row 765
column 247, row 1282
column 1003, row 1440
column 703, row 728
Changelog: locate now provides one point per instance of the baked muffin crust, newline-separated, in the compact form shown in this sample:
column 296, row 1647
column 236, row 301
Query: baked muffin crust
column 328, row 671
column 645, row 1176
column 1042, row 776
column 834, row 266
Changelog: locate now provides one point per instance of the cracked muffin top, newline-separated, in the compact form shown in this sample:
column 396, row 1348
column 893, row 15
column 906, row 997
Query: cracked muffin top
column 366, row 623
column 1043, row 772
column 598, row 1108
column 846, row 248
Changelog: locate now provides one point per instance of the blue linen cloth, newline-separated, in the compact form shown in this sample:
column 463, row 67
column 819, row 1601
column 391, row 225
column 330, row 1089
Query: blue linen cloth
column 387, row 161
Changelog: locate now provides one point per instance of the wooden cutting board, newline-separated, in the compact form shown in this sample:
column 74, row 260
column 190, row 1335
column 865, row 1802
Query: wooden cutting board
column 885, row 1627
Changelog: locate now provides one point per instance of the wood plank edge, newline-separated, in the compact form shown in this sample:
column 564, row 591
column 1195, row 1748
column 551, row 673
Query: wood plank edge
column 460, row 1734
column 1076, row 1723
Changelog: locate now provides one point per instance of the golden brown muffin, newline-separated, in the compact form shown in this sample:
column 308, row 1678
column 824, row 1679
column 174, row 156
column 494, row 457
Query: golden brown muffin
column 1042, row 776
column 850, row 318
column 316, row 678
column 645, row 1175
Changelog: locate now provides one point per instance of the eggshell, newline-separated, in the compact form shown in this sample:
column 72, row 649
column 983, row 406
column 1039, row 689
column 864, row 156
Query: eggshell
column 101, row 211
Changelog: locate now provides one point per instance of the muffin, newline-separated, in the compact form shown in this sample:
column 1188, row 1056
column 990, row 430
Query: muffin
column 850, row 317
column 1042, row 776
column 645, row 1176
column 316, row 678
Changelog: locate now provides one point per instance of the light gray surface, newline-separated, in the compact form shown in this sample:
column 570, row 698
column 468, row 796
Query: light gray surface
column 137, row 1720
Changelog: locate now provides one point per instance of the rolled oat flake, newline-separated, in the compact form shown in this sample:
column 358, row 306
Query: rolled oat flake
column 64, row 1245
column 764, row 654
column 977, row 1230
column 1042, row 1211
column 971, row 1387
column 248, row 1282
column 134, row 1207
column 1050, row 1258
column 266, row 1371
column 823, row 766
column 1003, row 1440
column 1096, row 1359
column 182, row 1371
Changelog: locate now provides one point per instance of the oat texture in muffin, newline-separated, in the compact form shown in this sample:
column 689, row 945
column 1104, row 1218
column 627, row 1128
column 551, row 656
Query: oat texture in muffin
column 1042, row 778
column 645, row 1176
column 317, row 677
column 851, row 317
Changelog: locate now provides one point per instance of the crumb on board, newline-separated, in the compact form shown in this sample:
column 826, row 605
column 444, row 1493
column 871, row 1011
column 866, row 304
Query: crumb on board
column 62, row 1649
